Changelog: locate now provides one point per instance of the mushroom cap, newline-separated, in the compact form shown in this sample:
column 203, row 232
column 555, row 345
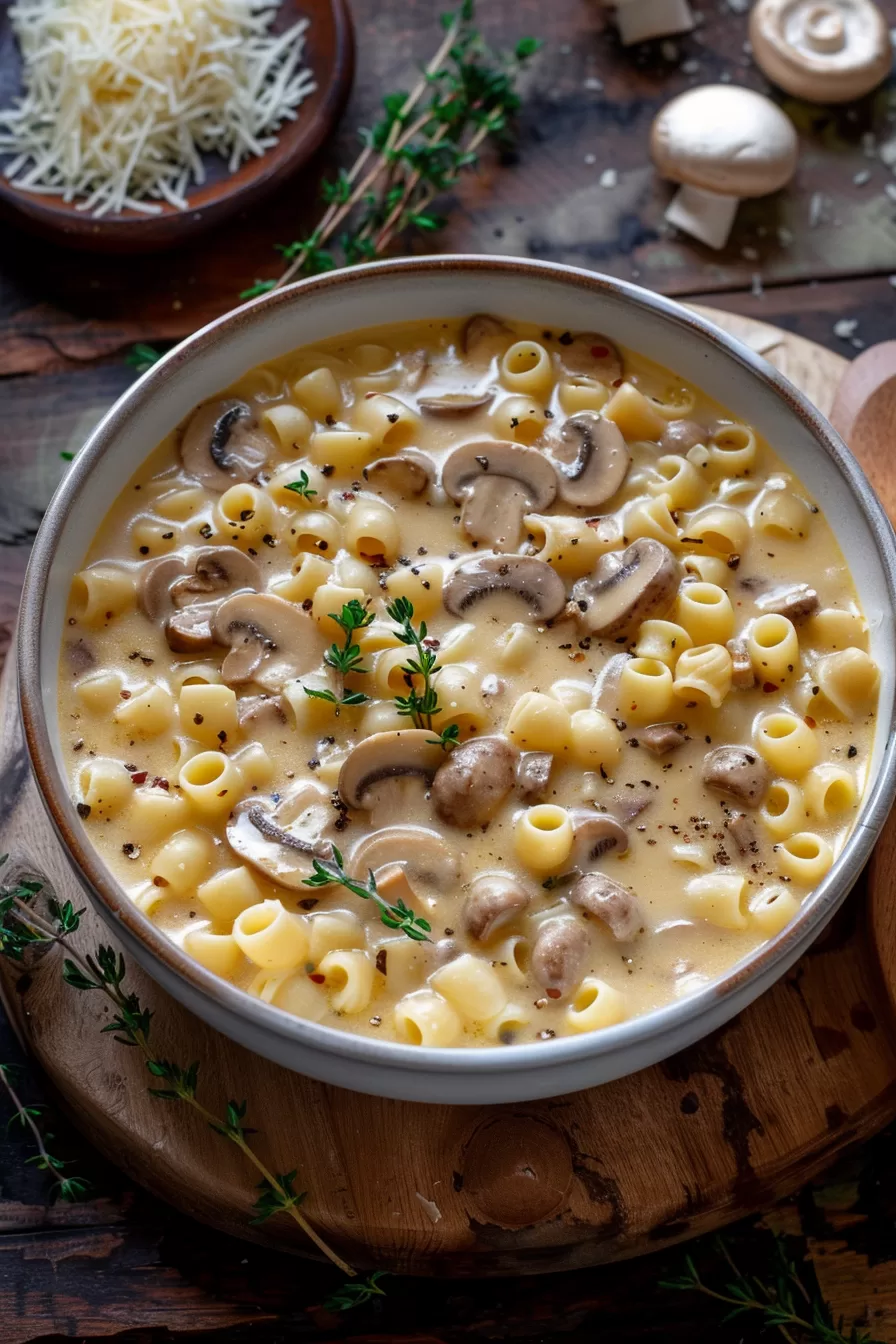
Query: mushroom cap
column 590, row 354
column 271, row 641
column 595, row 834
column 534, row 582
column 222, row 444
column 600, row 463
column 427, row 856
column 724, row 139
column 472, row 783
column 558, row 955
column 827, row 51
column 499, row 482
column 446, row 404
column 628, row 587
column 182, row 578
column 738, row 772
column 282, row 841
column 533, row 775
column 494, row 900
column 483, row 335
column 384, row 756
column 406, row 474
column 609, row 902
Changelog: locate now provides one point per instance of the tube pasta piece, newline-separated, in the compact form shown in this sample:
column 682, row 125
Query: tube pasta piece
column 460, row 701
column 101, row 593
column 692, row 857
column 154, row 813
column 316, row 532
column 507, row 1024
column 328, row 601
column 774, row 649
column 662, row 640
column 256, row 768
column 271, row 936
column 805, row 857
column 526, row 367
column 425, row 1018
column 787, row 743
column 568, row 545
column 703, row 675
column 348, row 979
column 645, row 690
column 421, row 585
column 681, row 485
column 595, row 1005
column 651, row 518
column 579, row 393
column 719, row 898
column 636, row 416
column 208, row 713
column 183, row 861
column 289, row 425
column 291, row 474
column 149, row 538
column 772, row 910
column 833, row 628
column 782, row 515
column 291, row 991
column 539, row 722
column 708, row 568
column 334, row 931
column 519, row 418
column 543, row 837
column 732, row 451
column 516, row 646
column 849, row 681
column 829, row 791
column 228, row 893
column 371, row 531
column 212, row 783
column 105, row 787
column 471, row 986
column 100, row 692
column 784, row 810
column 245, row 514
column 389, row 422
column 320, row 395
column 147, row 713
column 706, row 613
column 718, row 530
column 217, row 952
column 180, row 504
column 572, row 693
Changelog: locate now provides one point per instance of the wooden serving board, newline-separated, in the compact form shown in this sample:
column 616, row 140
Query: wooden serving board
column 716, row 1132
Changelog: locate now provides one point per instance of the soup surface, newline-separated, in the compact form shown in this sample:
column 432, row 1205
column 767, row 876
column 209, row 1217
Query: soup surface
column 464, row 683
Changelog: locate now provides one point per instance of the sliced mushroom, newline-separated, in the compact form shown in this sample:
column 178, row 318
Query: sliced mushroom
column 483, row 335
column 737, row 772
column 80, row 657
column 534, row 582
column 176, row 580
column 494, row 900
column 385, row 756
column 662, row 737
column 628, row 587
column 626, row 806
column 261, row 711
column 428, row 858
column 282, row 840
column 609, row 902
column 455, row 403
column 533, row 775
column 743, row 678
column 406, row 475
column 473, row 782
column 270, row 640
column 744, row 832
column 601, row 462
column 222, row 444
column 498, row 482
column 558, row 956
column 592, row 356
column 190, row 630
column 797, row 603
column 680, row 436
column 595, row 835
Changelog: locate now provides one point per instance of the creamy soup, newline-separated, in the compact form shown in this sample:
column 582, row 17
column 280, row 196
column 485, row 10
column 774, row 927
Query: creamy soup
column 460, row 683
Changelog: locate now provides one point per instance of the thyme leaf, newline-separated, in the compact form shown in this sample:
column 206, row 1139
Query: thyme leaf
column 348, row 659
column 398, row 916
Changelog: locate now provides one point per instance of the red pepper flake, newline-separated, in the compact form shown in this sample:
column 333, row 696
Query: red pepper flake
column 318, row 978
column 769, row 687
column 810, row 721
column 553, row 993
column 125, row 695
column 617, row 383
column 160, row 783
column 600, row 351
column 139, row 776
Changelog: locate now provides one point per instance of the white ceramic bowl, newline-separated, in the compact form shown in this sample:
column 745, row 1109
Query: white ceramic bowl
column 552, row 296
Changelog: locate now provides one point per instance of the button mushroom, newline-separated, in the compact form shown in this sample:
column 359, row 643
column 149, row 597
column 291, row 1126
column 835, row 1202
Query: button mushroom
column 282, row 840
column 470, row 786
column 743, row 678
column 407, row 474
column 388, row 756
column 680, row 436
column 558, row 956
column 601, row 461
column 532, row 581
column 595, row 835
column 737, row 772
column 270, row 641
column 590, row 355
column 627, row 587
column 261, row 711
column 609, row 902
column 222, row 444
column 797, row 603
column 449, row 404
column 429, row 859
column 662, row 737
column 826, row 51
column 533, row 775
column 494, row 900
column 483, row 335
column 744, row 832
column 638, row 20
column 721, row 143
column 190, row 630
column 179, row 579
column 498, row 482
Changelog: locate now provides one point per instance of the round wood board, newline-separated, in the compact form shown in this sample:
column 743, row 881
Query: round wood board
column 722, row 1129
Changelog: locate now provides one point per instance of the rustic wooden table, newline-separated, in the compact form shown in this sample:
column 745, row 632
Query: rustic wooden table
column 822, row 253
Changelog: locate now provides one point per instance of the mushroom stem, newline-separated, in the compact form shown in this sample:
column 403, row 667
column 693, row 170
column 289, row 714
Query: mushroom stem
column 705, row 215
column 639, row 19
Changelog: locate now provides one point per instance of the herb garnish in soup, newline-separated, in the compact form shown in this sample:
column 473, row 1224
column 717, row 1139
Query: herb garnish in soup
column 459, row 683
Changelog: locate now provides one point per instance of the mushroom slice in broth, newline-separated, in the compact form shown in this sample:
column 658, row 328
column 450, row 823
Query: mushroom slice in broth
column 498, row 482
column 601, row 462
column 383, row 757
column 270, row 641
column 223, row 445
column 430, row 862
column 628, row 587
column 532, row 581
column 281, row 840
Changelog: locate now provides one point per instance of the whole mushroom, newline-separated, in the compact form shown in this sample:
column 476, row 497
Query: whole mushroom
column 428, row 858
column 721, row 143
column 595, row 835
column 609, row 902
column 183, row 592
column 498, row 482
column 222, row 444
column 470, row 786
column 495, row 900
column 405, row 475
column 738, row 772
column 826, row 51
column 558, row 956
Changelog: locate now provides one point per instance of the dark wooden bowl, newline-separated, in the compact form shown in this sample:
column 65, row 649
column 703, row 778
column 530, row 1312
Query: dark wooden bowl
column 329, row 54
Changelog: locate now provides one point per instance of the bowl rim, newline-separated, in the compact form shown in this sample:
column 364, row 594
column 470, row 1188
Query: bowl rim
column 758, row 967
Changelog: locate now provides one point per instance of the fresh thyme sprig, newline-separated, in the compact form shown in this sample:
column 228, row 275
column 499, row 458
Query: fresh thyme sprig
column 788, row 1303
column 420, row 708
column 398, row 916
column 348, row 659
column 69, row 1188
column 302, row 486
column 466, row 95
column 142, row 357
column 21, row 927
column 356, row 1294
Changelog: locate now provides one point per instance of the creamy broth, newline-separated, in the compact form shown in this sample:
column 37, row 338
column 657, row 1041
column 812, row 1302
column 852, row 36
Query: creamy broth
column 650, row 734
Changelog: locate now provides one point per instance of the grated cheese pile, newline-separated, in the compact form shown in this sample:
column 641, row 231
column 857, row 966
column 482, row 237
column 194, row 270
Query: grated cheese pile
column 122, row 97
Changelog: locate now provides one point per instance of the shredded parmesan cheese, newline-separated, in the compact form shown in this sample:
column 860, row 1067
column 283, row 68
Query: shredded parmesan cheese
column 122, row 97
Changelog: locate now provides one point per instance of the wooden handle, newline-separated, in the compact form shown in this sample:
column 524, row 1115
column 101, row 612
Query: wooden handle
column 864, row 414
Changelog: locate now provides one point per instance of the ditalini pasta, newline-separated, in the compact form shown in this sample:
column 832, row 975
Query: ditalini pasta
column 459, row 684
